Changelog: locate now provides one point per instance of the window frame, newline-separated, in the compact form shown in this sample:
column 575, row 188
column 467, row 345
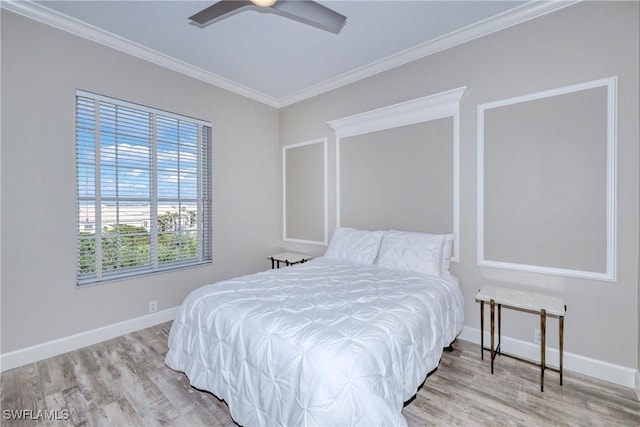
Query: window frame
column 198, row 142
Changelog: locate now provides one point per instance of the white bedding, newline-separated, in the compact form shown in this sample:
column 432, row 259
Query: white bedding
column 320, row 343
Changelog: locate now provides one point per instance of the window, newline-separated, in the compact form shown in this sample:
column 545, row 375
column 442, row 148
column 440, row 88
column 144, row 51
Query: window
column 143, row 183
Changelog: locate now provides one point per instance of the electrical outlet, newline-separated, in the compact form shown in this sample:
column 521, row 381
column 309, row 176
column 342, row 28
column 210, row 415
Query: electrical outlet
column 153, row 306
column 537, row 337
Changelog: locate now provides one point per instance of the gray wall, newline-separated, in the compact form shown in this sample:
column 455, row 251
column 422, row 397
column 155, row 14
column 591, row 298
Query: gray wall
column 584, row 42
column 304, row 191
column 41, row 69
column 399, row 178
column 547, row 160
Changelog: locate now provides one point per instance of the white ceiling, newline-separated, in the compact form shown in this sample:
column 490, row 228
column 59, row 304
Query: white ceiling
column 276, row 60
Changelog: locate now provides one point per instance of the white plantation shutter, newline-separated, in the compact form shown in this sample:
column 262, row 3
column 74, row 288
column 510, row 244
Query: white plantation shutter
column 143, row 189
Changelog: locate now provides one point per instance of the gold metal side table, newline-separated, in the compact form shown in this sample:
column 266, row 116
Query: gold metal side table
column 288, row 258
column 530, row 302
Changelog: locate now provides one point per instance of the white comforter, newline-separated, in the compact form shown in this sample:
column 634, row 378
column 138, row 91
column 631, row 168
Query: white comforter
column 320, row 343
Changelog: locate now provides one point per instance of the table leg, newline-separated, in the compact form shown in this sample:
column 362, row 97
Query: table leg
column 481, row 330
column 492, row 330
column 561, row 321
column 499, row 327
column 543, row 344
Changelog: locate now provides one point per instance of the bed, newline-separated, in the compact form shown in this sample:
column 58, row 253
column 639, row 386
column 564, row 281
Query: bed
column 344, row 339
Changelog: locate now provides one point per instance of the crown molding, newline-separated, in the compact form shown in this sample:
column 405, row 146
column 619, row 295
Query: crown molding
column 526, row 12
column 82, row 29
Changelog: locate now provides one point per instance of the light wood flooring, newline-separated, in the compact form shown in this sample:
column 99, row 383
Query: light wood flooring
column 124, row 382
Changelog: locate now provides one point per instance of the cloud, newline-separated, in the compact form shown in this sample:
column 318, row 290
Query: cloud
column 108, row 152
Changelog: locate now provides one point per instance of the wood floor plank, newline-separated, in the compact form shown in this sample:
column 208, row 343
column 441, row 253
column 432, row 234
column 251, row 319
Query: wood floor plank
column 91, row 378
column 58, row 409
column 56, row 374
column 78, row 406
column 117, row 413
column 147, row 400
column 125, row 382
column 31, row 395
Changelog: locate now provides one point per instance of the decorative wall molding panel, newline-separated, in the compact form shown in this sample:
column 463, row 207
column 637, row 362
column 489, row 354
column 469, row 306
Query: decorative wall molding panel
column 429, row 108
column 547, row 181
column 296, row 193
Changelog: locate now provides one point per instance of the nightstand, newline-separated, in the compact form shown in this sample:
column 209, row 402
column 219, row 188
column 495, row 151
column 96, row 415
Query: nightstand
column 288, row 258
column 526, row 301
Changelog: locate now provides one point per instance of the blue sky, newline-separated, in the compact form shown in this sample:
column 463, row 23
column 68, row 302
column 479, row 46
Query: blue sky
column 125, row 154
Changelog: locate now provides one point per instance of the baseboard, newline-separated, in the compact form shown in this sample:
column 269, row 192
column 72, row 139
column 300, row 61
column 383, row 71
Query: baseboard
column 637, row 386
column 606, row 371
column 45, row 350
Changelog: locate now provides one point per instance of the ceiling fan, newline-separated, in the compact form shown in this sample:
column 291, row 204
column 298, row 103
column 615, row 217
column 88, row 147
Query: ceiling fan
column 307, row 12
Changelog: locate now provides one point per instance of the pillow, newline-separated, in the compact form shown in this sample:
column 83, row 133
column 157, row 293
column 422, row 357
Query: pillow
column 355, row 246
column 411, row 251
column 447, row 251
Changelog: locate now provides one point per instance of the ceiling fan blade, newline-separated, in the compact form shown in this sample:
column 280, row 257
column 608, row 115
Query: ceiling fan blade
column 307, row 12
column 218, row 11
column 310, row 13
